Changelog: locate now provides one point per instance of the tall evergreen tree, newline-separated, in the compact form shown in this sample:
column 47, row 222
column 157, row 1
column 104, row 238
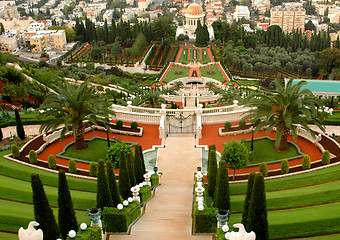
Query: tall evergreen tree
column 212, row 170
column 104, row 198
column 248, row 197
column 113, row 184
column 66, row 214
column 43, row 214
column 257, row 215
column 130, row 166
column 138, row 167
column 124, row 180
column 20, row 128
column 1, row 135
column 222, row 197
column 142, row 159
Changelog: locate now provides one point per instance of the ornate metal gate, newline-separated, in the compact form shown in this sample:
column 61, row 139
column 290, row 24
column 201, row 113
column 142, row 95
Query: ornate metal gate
column 180, row 124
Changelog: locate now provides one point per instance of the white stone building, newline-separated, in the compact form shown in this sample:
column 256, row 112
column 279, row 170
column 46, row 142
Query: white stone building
column 241, row 12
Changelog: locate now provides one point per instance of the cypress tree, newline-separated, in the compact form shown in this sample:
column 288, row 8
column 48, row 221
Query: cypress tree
column 247, row 199
column 20, row 128
column 124, row 180
column 130, row 166
column 222, row 197
column 139, row 164
column 212, row 170
column 43, row 214
column 66, row 215
column 1, row 136
column 142, row 159
column 113, row 184
column 103, row 192
column 257, row 215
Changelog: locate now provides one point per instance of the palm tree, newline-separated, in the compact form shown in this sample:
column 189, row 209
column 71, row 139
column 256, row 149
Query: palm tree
column 285, row 108
column 74, row 106
column 210, row 84
column 177, row 84
column 152, row 98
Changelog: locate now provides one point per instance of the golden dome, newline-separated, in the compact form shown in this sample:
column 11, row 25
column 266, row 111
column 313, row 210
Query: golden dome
column 194, row 9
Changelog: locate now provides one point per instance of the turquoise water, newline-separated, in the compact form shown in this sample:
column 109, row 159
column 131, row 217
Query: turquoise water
column 150, row 158
column 321, row 85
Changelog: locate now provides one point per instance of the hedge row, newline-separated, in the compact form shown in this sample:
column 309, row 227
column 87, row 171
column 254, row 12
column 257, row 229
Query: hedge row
column 145, row 193
column 204, row 221
column 158, row 55
column 165, row 55
column 177, row 50
column 154, row 180
column 120, row 220
column 93, row 233
column 151, row 55
column 24, row 120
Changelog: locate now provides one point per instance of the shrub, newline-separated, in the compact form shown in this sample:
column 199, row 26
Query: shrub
column 285, row 166
column 204, row 221
column 212, row 170
column 119, row 124
column 72, row 166
column 119, row 221
column 306, row 163
column 134, row 125
column 114, row 151
column 93, row 169
column 264, row 169
column 242, row 124
column 145, row 193
column 15, row 151
column 20, row 127
column 52, row 163
column 227, row 125
column 154, row 180
column 33, row 157
column 326, row 157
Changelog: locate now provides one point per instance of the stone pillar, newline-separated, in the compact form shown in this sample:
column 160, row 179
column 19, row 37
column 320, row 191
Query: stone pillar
column 161, row 128
column 199, row 121
column 129, row 106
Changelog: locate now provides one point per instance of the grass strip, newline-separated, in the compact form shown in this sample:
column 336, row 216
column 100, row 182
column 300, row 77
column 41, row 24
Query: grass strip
column 22, row 172
column 217, row 74
column 21, row 191
column 301, row 180
column 14, row 215
column 8, row 236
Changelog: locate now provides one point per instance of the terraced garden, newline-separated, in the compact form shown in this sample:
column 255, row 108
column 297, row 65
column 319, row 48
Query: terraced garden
column 16, row 208
column 176, row 72
column 212, row 72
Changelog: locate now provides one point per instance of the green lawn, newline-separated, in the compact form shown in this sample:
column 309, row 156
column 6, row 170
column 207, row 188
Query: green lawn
column 175, row 73
column 9, row 236
column 326, row 237
column 264, row 151
column 183, row 59
column 217, row 74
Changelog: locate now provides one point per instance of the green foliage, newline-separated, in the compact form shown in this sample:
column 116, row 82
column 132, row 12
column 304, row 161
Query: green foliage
column 119, row 124
column 124, row 179
column 257, row 216
column 154, row 180
column 66, row 214
column 119, row 220
column 263, row 169
column 284, row 166
column 113, row 184
column 139, row 164
column 306, row 162
column 130, row 166
column 88, row 234
column 204, row 221
column 1, row 135
column 93, row 169
column 20, row 127
column 235, row 154
column 104, row 198
column 227, row 125
column 222, row 196
column 247, row 198
column 15, row 151
column 33, row 157
column 242, row 123
column 326, row 157
column 212, row 170
column 72, row 166
column 134, row 125
column 43, row 214
column 145, row 193
column 52, row 162
column 113, row 153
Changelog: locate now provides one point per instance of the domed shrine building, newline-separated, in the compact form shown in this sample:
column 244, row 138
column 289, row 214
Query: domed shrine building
column 193, row 15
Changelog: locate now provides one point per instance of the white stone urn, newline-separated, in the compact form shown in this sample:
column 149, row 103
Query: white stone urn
column 135, row 193
column 147, row 177
column 199, row 184
column 199, row 177
column 199, row 191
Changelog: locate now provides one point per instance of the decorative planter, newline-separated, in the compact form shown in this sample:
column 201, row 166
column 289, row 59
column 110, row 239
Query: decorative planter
column 199, row 191
column 94, row 215
column 135, row 193
column 199, row 177
column 222, row 217
column 147, row 177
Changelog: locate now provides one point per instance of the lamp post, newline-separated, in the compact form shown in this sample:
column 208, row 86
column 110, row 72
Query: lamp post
column 107, row 136
column 252, row 142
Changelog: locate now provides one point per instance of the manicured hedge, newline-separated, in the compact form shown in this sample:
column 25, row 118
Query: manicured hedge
column 119, row 221
column 154, row 180
column 145, row 193
column 26, row 119
column 93, row 233
column 204, row 221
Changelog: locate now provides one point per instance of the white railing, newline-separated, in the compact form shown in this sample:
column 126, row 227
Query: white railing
column 229, row 108
column 221, row 117
column 137, row 117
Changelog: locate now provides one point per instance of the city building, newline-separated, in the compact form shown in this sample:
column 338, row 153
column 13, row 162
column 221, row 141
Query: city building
column 288, row 19
column 241, row 12
column 334, row 15
column 49, row 39
column 9, row 23
column 8, row 42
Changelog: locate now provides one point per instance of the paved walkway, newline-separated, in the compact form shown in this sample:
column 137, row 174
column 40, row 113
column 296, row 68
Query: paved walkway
column 30, row 130
column 168, row 214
